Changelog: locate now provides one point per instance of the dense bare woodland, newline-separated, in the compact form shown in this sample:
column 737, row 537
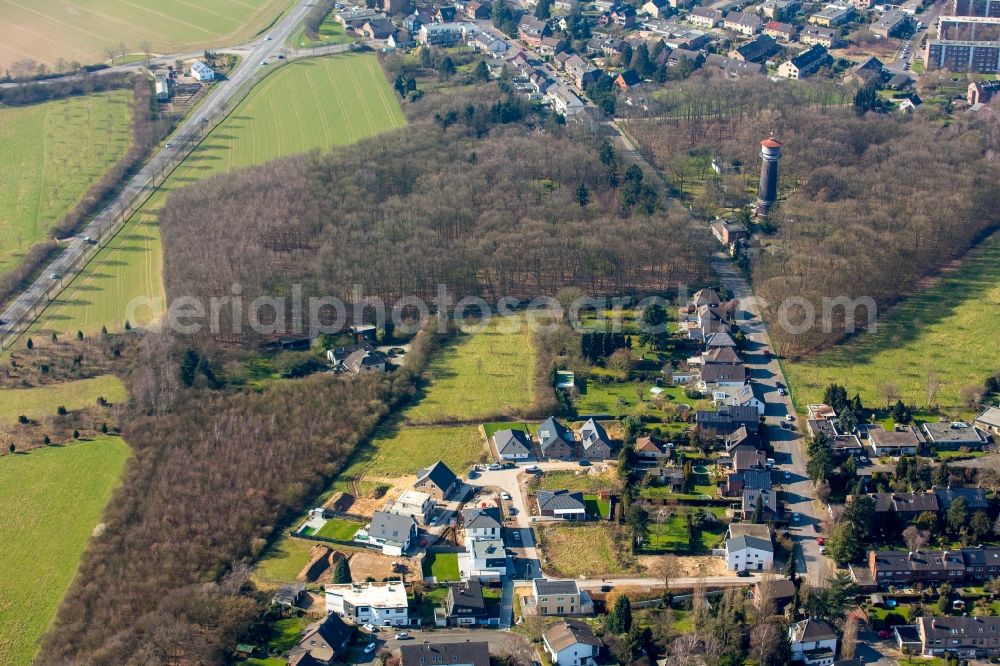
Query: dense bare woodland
column 212, row 474
column 404, row 212
column 870, row 205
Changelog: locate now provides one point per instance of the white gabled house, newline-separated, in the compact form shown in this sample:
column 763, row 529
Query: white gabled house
column 749, row 553
column 381, row 604
column 389, row 532
column 202, row 72
column 814, row 642
column 571, row 643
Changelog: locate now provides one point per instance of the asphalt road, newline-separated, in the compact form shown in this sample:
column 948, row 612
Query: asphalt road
column 797, row 493
column 107, row 222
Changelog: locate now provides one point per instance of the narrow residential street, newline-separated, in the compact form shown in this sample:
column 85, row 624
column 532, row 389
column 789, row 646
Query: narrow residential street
column 797, row 491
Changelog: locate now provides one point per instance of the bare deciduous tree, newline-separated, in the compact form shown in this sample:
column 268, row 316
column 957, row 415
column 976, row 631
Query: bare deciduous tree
column 849, row 643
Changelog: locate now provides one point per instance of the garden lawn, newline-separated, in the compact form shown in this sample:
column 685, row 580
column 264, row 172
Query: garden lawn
column 951, row 328
column 50, row 155
column 339, row 529
column 477, row 376
column 398, row 450
column 41, row 401
column 282, row 562
column 310, row 104
column 50, row 502
column 46, row 30
column 580, row 550
column 588, row 483
column 443, row 566
column 491, row 428
column 596, row 507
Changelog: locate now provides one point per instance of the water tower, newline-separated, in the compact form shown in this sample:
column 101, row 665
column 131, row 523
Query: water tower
column 770, row 153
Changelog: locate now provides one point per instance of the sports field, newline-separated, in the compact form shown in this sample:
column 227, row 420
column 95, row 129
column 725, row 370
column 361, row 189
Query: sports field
column 951, row 329
column 309, row 104
column 50, row 155
column 50, row 502
column 41, row 401
column 81, row 30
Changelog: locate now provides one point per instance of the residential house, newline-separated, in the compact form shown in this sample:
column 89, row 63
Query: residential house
column 981, row 92
column 735, row 69
column 900, row 81
column 705, row 17
column 745, row 459
column 512, row 444
column 805, row 63
column 719, row 339
column 945, row 435
column 966, row 637
column 559, row 597
column 389, row 532
column 729, row 233
column 582, row 72
column 564, row 100
column 381, row 604
column 476, row 10
column 906, row 505
column 552, row 45
column 974, row 498
column 440, row 34
column 755, row 479
column 465, row 604
column 354, row 18
column 531, row 30
column 401, row 39
column 826, row 37
column 902, row 441
column 743, row 439
column 718, row 376
column 378, row 28
column 832, row 15
column 561, row 504
column 768, row 502
column 484, row 559
column 780, row 591
column 892, row 23
column 445, row 14
column 899, row 567
column 726, row 355
column 465, row 653
column 846, row 446
column 202, row 72
column 989, row 421
column 437, row 481
column 758, row 50
column 624, row 16
column 707, row 296
column 571, row 643
column 820, row 411
column 594, row 441
column 322, row 642
column 744, row 23
column 415, row 504
column 650, row 449
column 746, row 395
column 628, row 80
column 814, row 642
column 357, row 359
column 727, row 420
column 781, row 10
column 289, row 596
column 482, row 523
column 554, row 439
column 784, row 32
column 657, row 8
column 672, row 476
column 868, row 72
column 749, row 553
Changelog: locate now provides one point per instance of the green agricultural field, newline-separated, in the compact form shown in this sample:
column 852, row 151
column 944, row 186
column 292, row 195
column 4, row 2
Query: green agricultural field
column 398, row 450
column 50, row 502
column 47, row 30
column 479, row 375
column 50, row 155
column 309, row 104
column 42, row 401
column 951, row 329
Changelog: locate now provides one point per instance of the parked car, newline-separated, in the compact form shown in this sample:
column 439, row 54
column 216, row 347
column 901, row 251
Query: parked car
column 495, row 467
column 790, row 417
column 369, row 627
column 782, row 391
column 517, row 535
column 820, row 540
column 532, row 469
column 743, row 573
column 370, row 648
column 54, row 276
column 403, row 636
column 822, row 550
column 584, row 462
column 505, row 495
column 788, row 476
column 795, row 517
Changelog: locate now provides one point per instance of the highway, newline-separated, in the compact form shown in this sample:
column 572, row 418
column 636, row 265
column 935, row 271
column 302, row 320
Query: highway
column 61, row 271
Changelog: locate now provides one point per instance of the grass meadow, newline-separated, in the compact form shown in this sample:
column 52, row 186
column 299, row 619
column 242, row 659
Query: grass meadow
column 40, row 401
column 330, row 32
column 309, row 104
column 477, row 376
column 952, row 329
column 50, row 502
column 581, row 550
column 443, row 566
column 45, row 30
column 50, row 155
column 398, row 450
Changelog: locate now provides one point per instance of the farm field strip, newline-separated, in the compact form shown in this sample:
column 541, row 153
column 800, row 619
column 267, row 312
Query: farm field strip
column 130, row 267
column 952, row 329
column 50, row 155
column 45, row 30
column 42, row 401
column 50, row 502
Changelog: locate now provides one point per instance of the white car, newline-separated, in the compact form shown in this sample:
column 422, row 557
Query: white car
column 268, row 38
column 790, row 417
column 54, row 276
column 495, row 467
column 532, row 469
column 369, row 627
column 782, row 392
column 822, row 550
column 370, row 648
column 402, row 636
column 505, row 495
column 434, row 521
column 263, row 62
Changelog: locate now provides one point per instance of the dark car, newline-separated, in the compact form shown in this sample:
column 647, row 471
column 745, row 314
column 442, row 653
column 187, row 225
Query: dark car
column 584, row 462
column 743, row 573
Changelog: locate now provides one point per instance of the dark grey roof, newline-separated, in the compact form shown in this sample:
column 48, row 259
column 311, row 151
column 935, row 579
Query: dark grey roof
column 482, row 519
column 814, row 54
column 975, row 498
column 759, row 49
column 392, row 527
column 545, row 586
column 512, row 442
column 958, row 628
column 593, row 433
column 745, row 541
column 438, row 474
column 813, row 630
column 424, row 654
column 551, row 431
column 467, row 595
column 715, row 373
column 559, row 500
